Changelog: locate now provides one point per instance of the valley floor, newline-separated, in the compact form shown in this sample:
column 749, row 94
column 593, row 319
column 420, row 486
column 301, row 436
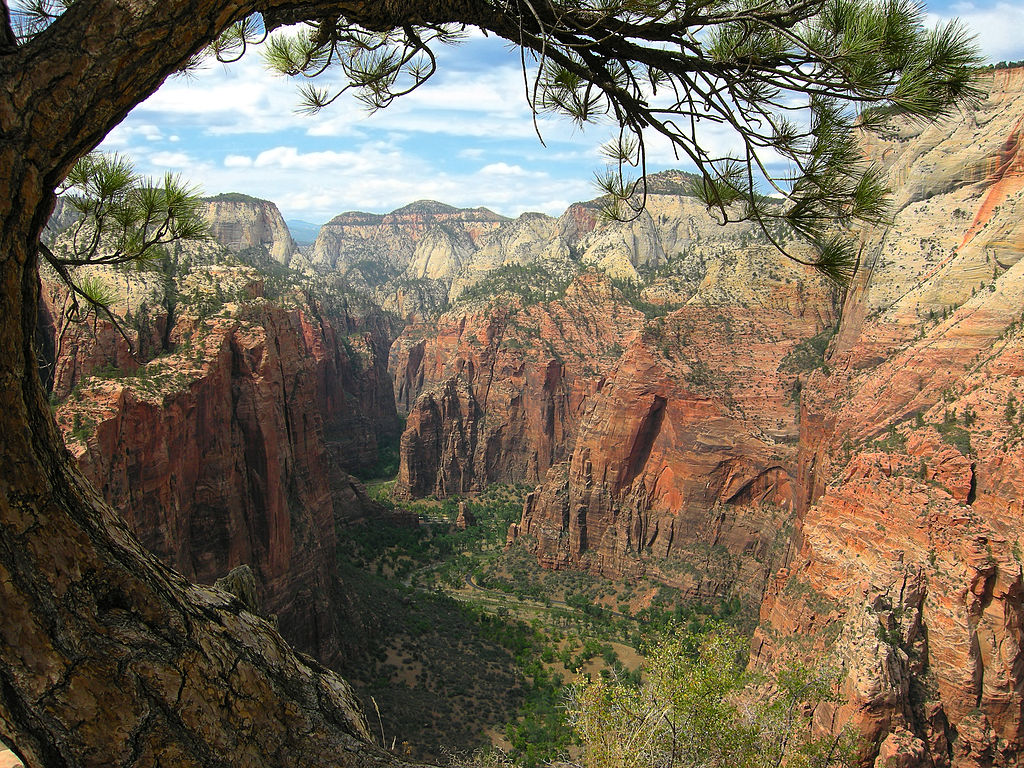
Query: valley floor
column 475, row 645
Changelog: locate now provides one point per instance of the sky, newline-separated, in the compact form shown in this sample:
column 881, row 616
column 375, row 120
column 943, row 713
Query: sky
column 465, row 138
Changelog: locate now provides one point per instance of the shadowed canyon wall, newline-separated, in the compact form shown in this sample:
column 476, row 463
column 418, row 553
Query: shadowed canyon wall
column 227, row 438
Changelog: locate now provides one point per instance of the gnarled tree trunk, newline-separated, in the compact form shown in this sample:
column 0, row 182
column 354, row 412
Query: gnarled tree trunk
column 108, row 657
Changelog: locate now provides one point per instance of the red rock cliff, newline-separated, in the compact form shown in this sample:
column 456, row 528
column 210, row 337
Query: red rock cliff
column 495, row 393
column 906, row 567
column 231, row 449
column 683, row 463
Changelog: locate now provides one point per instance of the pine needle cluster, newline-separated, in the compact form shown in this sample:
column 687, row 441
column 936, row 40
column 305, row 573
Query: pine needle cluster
column 120, row 219
column 793, row 81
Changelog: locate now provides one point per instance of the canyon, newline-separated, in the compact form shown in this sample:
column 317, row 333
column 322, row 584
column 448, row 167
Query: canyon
column 224, row 426
column 688, row 405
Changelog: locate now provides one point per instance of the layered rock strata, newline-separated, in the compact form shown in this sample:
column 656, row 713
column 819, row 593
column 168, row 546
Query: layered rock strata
column 423, row 240
column 906, row 568
column 495, row 393
column 248, row 225
column 231, row 448
column 682, row 467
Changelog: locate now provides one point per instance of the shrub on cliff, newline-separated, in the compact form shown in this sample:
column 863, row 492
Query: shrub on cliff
column 698, row 705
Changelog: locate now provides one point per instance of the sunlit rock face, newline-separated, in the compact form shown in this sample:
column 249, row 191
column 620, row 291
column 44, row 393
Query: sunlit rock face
column 425, row 239
column 224, row 434
column 244, row 224
column 897, row 462
column 495, row 394
column 661, row 422
column 906, row 564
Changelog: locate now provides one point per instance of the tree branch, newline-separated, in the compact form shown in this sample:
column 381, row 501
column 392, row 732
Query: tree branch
column 8, row 40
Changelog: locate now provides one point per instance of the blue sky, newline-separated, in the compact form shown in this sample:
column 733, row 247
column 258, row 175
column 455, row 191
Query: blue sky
column 465, row 138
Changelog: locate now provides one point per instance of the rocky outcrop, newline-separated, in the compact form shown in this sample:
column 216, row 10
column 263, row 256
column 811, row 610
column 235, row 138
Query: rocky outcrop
column 244, row 224
column 495, row 393
column 427, row 238
column 682, row 468
column 72, row 350
column 477, row 383
column 661, row 415
column 906, row 566
column 231, row 447
column 465, row 519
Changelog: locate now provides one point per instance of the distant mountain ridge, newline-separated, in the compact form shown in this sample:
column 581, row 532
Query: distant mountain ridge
column 303, row 232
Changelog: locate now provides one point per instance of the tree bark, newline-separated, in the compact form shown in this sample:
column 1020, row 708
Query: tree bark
column 108, row 657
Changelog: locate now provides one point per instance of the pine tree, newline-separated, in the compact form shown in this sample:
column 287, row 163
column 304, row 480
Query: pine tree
column 119, row 219
column 790, row 80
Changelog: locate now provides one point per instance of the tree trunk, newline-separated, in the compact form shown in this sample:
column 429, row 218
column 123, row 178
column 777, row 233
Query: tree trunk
column 108, row 657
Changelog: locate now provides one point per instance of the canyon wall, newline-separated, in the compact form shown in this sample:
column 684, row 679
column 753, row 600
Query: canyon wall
column 495, row 388
column 906, row 567
column 229, row 441
column 495, row 393
column 722, row 439
column 682, row 468
column 689, row 405
column 405, row 258
column 655, row 401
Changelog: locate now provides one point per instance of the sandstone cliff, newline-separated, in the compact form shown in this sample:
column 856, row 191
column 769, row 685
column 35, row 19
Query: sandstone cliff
column 907, row 559
column 248, row 225
column 900, row 453
column 230, row 444
column 495, row 393
column 672, row 406
column 422, row 244
column 683, row 464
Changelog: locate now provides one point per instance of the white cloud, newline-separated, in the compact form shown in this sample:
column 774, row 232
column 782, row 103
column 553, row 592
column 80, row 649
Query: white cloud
column 171, row 159
column 242, row 98
column 504, row 169
column 126, row 134
column 238, row 161
column 466, row 139
column 319, row 185
column 369, row 158
column 998, row 27
column 150, row 132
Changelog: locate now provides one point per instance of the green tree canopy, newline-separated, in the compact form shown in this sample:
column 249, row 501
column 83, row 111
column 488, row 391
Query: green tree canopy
column 698, row 705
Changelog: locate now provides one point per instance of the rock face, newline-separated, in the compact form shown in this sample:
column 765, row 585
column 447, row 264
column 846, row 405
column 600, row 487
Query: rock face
column 231, row 448
column 906, row 565
column 657, row 407
column 683, row 463
column 713, row 424
column 495, row 393
column 419, row 259
column 684, row 420
column 465, row 519
column 244, row 224
column 423, row 242
column 495, row 389
column 72, row 351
